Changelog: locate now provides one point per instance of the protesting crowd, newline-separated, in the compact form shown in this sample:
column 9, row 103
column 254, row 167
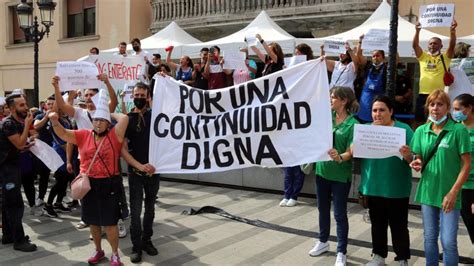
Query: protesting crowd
column 90, row 137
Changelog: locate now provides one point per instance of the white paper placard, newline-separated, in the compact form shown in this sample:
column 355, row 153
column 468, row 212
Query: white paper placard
column 376, row 39
column 438, row 15
column 234, row 60
column 128, row 90
column 2, row 100
column 335, row 46
column 47, row 155
column 294, row 60
column 77, row 75
column 376, row 142
column 251, row 40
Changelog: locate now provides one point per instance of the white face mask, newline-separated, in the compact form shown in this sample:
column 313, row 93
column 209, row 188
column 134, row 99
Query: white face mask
column 435, row 54
column 439, row 121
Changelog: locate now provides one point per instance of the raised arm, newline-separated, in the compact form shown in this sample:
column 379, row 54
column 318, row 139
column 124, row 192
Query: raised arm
column 416, row 40
column 269, row 51
column 329, row 63
column 361, row 59
column 121, row 126
column 452, row 40
column 354, row 57
column 65, row 134
column 63, row 106
column 38, row 124
column 170, row 63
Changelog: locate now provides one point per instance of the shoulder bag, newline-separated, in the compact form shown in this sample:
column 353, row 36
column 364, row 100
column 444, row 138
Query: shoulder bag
column 448, row 78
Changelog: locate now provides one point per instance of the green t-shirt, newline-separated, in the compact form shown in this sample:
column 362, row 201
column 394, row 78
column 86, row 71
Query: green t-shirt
column 442, row 170
column 389, row 177
column 470, row 180
column 332, row 170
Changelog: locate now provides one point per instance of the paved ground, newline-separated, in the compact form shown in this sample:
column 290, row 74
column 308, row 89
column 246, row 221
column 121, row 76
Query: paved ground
column 214, row 240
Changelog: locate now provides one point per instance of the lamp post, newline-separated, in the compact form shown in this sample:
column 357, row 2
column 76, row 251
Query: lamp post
column 31, row 28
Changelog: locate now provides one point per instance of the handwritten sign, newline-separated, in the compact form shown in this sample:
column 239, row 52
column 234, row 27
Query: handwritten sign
column 335, row 46
column 294, row 60
column 376, row 39
column 77, row 75
column 376, row 142
column 128, row 93
column 234, row 60
column 438, row 15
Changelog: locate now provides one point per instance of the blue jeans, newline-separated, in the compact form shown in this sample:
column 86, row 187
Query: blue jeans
column 294, row 180
column 138, row 186
column 436, row 222
column 340, row 192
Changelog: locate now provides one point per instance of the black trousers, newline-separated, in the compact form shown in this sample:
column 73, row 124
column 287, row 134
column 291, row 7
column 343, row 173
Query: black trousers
column 12, row 202
column 60, row 187
column 43, row 172
column 385, row 212
column 466, row 211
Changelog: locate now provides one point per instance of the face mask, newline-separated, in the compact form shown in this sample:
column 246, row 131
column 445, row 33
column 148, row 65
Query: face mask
column 438, row 122
column 101, row 134
column 155, row 65
column 377, row 65
column 459, row 116
column 139, row 102
column 136, row 48
column 435, row 54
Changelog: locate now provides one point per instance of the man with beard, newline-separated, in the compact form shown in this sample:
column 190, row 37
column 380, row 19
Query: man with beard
column 13, row 138
column 141, row 179
column 431, row 66
column 200, row 81
column 122, row 49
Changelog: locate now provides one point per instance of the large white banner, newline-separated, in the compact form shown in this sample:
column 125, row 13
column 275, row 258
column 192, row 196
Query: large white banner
column 282, row 119
column 120, row 70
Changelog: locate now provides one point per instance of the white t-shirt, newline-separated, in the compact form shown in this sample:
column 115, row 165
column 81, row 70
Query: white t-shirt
column 82, row 118
column 460, row 85
column 343, row 75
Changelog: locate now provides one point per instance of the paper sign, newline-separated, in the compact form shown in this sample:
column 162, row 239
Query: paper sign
column 335, row 46
column 128, row 91
column 376, row 142
column 77, row 75
column 234, row 60
column 438, row 15
column 2, row 100
column 376, row 39
column 47, row 155
column 294, row 60
column 251, row 40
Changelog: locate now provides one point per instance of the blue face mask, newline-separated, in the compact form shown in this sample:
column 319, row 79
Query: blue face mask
column 459, row 116
column 438, row 122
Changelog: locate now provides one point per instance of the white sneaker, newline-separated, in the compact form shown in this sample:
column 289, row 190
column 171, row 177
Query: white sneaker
column 341, row 259
column 319, row 248
column 291, row 203
column 376, row 261
column 403, row 262
column 39, row 202
column 122, row 229
column 283, row 202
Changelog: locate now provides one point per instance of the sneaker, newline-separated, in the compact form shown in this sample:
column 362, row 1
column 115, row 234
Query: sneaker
column 39, row 202
column 283, row 202
column 59, row 207
column 291, row 203
column 96, row 257
column 341, row 259
column 122, row 229
column 115, row 260
column 136, row 256
column 25, row 246
column 49, row 211
column 403, row 262
column 149, row 248
column 36, row 211
column 319, row 248
column 73, row 204
column 81, row 225
column 376, row 261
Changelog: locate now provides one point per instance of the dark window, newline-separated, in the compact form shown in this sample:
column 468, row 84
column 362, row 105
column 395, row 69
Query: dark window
column 80, row 18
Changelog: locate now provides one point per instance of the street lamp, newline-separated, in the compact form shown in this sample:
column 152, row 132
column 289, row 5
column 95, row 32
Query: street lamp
column 30, row 27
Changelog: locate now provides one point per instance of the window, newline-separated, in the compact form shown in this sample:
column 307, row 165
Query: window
column 80, row 18
column 18, row 34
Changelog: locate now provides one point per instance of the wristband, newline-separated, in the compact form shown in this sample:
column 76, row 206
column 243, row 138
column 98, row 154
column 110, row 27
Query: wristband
column 340, row 159
column 262, row 41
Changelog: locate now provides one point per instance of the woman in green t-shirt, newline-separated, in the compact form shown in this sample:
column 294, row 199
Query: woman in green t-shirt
column 333, row 178
column 387, row 184
column 463, row 107
column 442, row 177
